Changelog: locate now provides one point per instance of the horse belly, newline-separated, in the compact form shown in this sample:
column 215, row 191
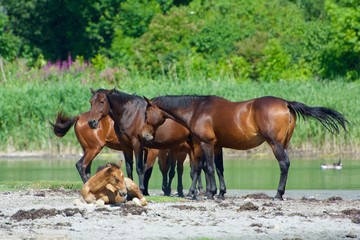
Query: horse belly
column 241, row 142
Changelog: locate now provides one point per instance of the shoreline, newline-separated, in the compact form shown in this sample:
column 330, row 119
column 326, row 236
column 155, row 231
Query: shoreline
column 228, row 154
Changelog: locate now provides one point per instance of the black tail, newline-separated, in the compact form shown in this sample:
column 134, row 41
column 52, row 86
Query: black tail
column 63, row 124
column 329, row 118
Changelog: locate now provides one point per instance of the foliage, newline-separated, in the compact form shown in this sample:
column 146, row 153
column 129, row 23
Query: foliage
column 57, row 28
column 9, row 43
column 55, row 50
column 258, row 40
column 342, row 55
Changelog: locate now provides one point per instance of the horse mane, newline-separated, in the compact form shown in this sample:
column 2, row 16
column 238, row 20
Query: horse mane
column 180, row 101
column 109, row 164
column 122, row 97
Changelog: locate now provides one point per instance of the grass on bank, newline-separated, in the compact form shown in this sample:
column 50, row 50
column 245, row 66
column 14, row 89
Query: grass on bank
column 26, row 107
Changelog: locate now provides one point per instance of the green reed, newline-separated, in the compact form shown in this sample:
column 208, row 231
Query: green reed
column 28, row 101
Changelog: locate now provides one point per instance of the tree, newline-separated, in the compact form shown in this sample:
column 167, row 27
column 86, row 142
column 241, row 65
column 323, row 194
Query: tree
column 9, row 43
column 59, row 28
column 342, row 54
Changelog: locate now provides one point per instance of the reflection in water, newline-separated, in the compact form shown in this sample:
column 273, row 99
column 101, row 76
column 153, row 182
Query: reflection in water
column 239, row 174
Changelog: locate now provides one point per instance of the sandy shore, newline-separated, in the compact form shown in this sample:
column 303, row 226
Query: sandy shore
column 47, row 214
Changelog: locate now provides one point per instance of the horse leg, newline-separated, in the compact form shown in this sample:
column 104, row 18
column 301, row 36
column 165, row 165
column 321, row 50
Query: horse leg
column 207, row 179
column 219, row 163
column 164, row 168
column 195, row 173
column 180, row 170
column 284, row 163
column 208, row 152
column 171, row 161
column 200, row 187
column 198, row 184
column 128, row 155
column 84, row 164
column 151, row 155
column 139, row 154
column 196, row 167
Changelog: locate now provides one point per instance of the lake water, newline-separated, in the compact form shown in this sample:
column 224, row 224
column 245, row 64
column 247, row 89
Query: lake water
column 239, row 174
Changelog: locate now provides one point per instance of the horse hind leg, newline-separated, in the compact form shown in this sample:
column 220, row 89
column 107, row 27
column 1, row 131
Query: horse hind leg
column 164, row 169
column 284, row 163
column 219, row 164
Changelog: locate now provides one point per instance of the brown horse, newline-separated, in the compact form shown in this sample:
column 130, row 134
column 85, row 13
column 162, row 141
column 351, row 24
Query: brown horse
column 109, row 186
column 216, row 122
column 127, row 111
column 93, row 141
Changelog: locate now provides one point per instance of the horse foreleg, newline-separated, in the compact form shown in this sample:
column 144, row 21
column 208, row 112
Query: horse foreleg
column 163, row 166
column 84, row 164
column 284, row 163
column 219, row 163
column 129, row 161
column 171, row 162
column 150, row 160
column 180, row 170
column 139, row 153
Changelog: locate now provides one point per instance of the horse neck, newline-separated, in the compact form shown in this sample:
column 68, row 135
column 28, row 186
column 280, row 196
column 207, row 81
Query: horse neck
column 126, row 112
column 180, row 115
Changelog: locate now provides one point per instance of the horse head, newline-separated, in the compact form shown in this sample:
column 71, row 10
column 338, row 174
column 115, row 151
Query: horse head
column 116, row 179
column 100, row 106
column 154, row 118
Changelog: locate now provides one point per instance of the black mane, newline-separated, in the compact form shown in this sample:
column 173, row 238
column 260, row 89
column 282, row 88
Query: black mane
column 121, row 97
column 181, row 101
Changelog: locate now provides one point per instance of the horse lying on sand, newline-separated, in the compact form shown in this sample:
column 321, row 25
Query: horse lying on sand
column 109, row 186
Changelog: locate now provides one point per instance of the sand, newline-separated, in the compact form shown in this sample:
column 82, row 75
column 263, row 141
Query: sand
column 59, row 214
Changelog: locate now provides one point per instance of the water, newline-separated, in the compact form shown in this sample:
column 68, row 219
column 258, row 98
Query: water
column 239, row 174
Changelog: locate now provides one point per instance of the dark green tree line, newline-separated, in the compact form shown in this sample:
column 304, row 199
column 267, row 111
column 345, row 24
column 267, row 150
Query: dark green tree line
column 259, row 40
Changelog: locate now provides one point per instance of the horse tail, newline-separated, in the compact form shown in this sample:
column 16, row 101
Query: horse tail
column 63, row 123
column 329, row 118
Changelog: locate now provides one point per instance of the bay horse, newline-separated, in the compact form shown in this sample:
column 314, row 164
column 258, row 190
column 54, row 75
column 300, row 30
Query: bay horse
column 216, row 122
column 92, row 141
column 127, row 112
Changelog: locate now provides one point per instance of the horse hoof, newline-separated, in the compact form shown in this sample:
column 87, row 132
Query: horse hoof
column 191, row 196
column 209, row 197
column 278, row 198
column 221, row 197
column 180, row 195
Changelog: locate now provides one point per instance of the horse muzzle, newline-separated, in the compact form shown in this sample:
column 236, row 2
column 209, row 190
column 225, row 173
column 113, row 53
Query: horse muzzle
column 147, row 136
column 123, row 194
column 93, row 124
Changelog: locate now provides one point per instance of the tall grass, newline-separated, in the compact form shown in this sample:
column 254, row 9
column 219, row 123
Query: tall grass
column 30, row 99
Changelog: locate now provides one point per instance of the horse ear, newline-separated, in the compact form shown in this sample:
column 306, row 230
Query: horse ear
column 149, row 102
column 120, row 163
column 92, row 91
column 109, row 170
column 112, row 90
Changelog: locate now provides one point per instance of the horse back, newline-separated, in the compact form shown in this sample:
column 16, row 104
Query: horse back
column 243, row 125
